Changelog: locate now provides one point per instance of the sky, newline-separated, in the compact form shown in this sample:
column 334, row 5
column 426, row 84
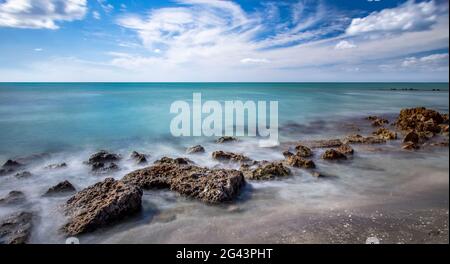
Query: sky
column 224, row 41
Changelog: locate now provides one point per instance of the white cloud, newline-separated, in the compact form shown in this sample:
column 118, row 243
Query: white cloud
column 107, row 7
column 344, row 44
column 96, row 15
column 40, row 13
column 431, row 61
column 410, row 16
column 38, row 49
column 254, row 61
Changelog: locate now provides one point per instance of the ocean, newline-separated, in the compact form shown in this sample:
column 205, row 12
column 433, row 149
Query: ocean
column 70, row 121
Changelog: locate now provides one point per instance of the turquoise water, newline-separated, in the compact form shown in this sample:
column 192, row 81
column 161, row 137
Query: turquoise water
column 54, row 117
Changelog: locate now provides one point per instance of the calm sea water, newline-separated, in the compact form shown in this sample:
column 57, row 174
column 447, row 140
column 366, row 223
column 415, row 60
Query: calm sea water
column 70, row 121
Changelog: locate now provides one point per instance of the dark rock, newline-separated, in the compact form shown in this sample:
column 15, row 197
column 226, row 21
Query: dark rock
column 60, row 188
column 303, row 151
column 195, row 149
column 16, row 228
column 298, row 161
column 208, row 185
column 6, row 171
column 223, row 156
column 13, row 198
column 103, row 157
column 327, row 143
column 175, row 161
column 226, row 139
column 100, row 167
column 139, row 158
column 425, row 122
column 358, row 139
column 100, row 205
column 379, row 122
column 265, row 170
column 411, row 137
column 23, row 175
column 11, row 164
column 410, row 146
column 385, row 134
column 56, row 166
column 332, row 154
column 345, row 149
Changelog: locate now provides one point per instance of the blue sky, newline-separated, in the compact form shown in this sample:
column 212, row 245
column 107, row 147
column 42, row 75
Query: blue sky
column 209, row 40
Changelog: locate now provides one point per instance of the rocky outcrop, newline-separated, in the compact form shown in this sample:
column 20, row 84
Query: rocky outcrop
column 303, row 151
column 425, row 122
column 103, row 161
column 358, row 139
column 139, row 158
column 379, row 122
column 226, row 139
column 345, row 149
column 411, row 137
column 16, row 228
column 264, row 170
column 195, row 149
column 56, row 166
column 332, row 154
column 174, row 161
column 325, row 143
column 9, row 167
column 13, row 198
column 60, row 188
column 226, row 157
column 295, row 160
column 208, row 185
column 385, row 134
column 23, row 175
column 100, row 205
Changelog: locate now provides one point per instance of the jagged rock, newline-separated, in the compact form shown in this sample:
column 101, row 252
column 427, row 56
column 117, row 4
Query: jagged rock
column 9, row 167
column 139, row 158
column 208, row 185
column 103, row 161
column 295, row 160
column 425, row 122
column 60, row 188
column 23, row 175
column 13, row 198
column 16, row 228
column 175, row 161
column 358, row 139
column 100, row 205
column 410, row 146
column 345, row 149
column 326, row 143
column 225, row 139
column 385, row 134
column 195, row 149
column 411, row 137
column 56, row 166
column 332, row 154
column 100, row 167
column 264, row 170
column 303, row 151
column 223, row 156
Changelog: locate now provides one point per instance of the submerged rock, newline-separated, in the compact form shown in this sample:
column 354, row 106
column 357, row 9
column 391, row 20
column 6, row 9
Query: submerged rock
column 345, row 149
column 174, row 161
column 303, row 151
column 139, row 158
column 195, row 149
column 410, row 145
column 265, row 170
column 23, row 175
column 16, row 228
column 358, row 139
column 103, row 161
column 56, row 166
column 13, row 198
column 9, row 167
column 379, row 122
column 411, row 137
column 226, row 139
column 325, row 143
column 60, row 188
column 332, row 154
column 100, row 167
column 223, row 156
column 100, row 205
column 385, row 134
column 208, row 185
column 295, row 160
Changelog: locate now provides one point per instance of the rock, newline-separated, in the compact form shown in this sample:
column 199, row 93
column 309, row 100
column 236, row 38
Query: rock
column 345, row 149
column 100, row 167
column 327, row 143
column 100, row 205
column 16, row 228
column 23, row 175
column 385, row 134
column 372, row 118
column 208, row 185
column 410, row 146
column 411, row 137
column 425, row 122
column 358, row 139
column 444, row 128
column 226, row 139
column 195, row 149
column 223, row 156
column 332, row 154
column 379, row 122
column 6, row 171
column 13, row 198
column 103, row 161
column 56, row 166
column 176, row 161
column 303, row 151
column 60, row 188
column 139, row 158
column 265, row 170
column 9, row 167
column 439, row 144
column 298, row 161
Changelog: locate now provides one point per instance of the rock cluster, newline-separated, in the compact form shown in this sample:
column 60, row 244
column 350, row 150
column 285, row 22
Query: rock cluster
column 13, row 198
column 226, row 157
column 264, row 170
column 16, row 228
column 296, row 160
column 385, row 134
column 332, row 154
column 139, row 158
column 195, row 149
column 103, row 161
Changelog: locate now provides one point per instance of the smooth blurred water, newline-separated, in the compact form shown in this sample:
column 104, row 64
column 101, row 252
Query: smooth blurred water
column 53, row 117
